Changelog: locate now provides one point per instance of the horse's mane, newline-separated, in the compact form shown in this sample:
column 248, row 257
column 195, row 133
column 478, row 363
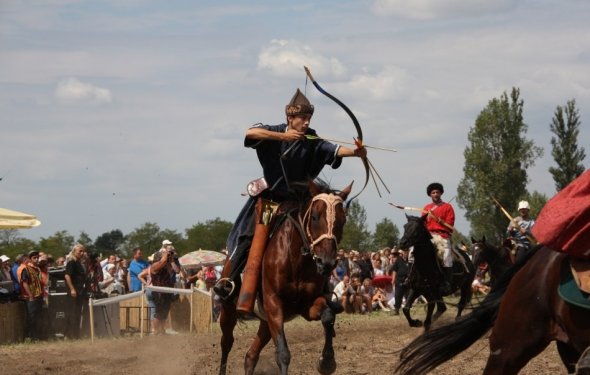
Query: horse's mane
column 299, row 191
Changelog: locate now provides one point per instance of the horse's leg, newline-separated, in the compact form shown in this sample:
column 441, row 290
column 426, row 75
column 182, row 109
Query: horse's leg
column 276, row 325
column 227, row 321
column 569, row 356
column 253, row 354
column 412, row 295
column 432, row 303
column 440, row 309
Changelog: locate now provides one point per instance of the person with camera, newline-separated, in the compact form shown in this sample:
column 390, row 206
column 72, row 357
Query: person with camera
column 162, row 272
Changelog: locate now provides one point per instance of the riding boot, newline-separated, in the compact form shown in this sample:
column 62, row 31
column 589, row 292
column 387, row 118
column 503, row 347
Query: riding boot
column 447, row 286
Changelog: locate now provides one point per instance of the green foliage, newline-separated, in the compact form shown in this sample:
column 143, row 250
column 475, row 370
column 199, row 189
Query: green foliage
column 11, row 244
column 57, row 245
column 386, row 234
column 110, row 242
column 147, row 237
column 565, row 151
column 85, row 240
column 496, row 163
column 211, row 235
column 356, row 235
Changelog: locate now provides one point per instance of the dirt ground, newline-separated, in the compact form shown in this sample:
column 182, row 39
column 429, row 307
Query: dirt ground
column 364, row 344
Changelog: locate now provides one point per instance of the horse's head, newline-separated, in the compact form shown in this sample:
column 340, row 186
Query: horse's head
column 479, row 249
column 414, row 231
column 323, row 222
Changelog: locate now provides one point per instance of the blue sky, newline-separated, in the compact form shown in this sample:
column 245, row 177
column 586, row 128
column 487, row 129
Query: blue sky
column 116, row 113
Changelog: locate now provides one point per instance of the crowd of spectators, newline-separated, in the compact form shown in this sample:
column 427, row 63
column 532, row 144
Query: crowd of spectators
column 86, row 275
column 365, row 282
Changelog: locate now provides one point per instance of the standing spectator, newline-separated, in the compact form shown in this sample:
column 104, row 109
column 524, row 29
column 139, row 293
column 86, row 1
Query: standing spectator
column 31, row 290
column 93, row 275
column 385, row 253
column 365, row 266
column 399, row 274
column 137, row 265
column 60, row 262
column 122, row 275
column 111, row 259
column 18, row 261
column 440, row 219
column 75, row 279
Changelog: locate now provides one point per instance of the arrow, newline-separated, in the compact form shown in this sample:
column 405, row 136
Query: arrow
column 313, row 137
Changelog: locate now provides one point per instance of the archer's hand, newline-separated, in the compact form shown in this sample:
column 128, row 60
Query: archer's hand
column 293, row 135
column 361, row 152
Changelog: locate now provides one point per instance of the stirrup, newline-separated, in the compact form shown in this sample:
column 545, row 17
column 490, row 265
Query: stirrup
column 221, row 284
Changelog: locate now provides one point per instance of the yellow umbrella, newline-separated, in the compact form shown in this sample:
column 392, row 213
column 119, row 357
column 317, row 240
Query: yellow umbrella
column 10, row 219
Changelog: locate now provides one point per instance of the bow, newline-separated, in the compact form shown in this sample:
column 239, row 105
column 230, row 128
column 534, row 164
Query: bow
column 359, row 139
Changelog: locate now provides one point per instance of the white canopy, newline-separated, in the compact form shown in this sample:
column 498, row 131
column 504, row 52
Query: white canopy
column 10, row 219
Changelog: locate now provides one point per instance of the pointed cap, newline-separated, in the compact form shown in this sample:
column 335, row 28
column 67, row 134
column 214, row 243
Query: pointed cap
column 299, row 105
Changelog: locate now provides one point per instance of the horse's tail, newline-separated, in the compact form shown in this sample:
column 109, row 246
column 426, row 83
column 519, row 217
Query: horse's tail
column 438, row 345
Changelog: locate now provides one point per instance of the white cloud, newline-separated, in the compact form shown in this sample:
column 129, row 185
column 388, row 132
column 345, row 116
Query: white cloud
column 73, row 90
column 431, row 9
column 389, row 83
column 287, row 58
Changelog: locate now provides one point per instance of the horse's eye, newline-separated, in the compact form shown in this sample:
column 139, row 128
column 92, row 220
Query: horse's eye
column 315, row 216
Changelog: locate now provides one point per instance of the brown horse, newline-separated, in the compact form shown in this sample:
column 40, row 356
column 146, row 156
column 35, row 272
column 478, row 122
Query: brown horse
column 527, row 314
column 296, row 266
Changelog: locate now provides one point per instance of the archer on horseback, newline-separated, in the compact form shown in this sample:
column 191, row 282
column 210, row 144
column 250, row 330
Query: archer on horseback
column 440, row 219
column 289, row 154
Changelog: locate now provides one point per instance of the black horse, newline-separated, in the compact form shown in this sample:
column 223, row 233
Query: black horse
column 498, row 259
column 427, row 275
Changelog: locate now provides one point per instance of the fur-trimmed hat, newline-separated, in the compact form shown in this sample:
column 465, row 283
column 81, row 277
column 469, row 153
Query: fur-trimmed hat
column 434, row 186
column 299, row 105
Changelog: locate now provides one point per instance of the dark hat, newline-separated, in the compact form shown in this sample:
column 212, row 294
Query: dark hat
column 33, row 253
column 434, row 186
column 299, row 105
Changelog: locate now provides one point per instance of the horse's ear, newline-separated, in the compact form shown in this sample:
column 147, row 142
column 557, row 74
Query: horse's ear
column 313, row 188
column 473, row 240
column 483, row 239
column 344, row 193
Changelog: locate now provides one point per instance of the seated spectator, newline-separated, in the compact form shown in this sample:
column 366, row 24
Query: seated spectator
column 198, row 280
column 340, row 288
column 381, row 298
column 353, row 300
column 5, row 268
column 367, row 291
column 121, row 275
column 110, row 284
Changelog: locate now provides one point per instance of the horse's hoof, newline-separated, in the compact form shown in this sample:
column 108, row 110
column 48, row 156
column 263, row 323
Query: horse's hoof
column 416, row 323
column 326, row 366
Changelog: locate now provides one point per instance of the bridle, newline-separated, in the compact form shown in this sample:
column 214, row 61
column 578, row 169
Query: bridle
column 303, row 223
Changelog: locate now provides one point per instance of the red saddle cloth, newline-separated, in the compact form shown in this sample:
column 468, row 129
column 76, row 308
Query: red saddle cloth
column 564, row 222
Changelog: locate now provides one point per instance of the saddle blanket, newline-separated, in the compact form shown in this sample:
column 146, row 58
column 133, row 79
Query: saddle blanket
column 574, row 286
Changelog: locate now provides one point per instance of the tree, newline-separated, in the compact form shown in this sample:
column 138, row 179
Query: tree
column 110, row 242
column 356, row 236
column 85, row 240
column 566, row 153
column 12, row 244
column 496, row 163
column 386, row 234
column 147, row 237
column 57, row 245
column 211, row 235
